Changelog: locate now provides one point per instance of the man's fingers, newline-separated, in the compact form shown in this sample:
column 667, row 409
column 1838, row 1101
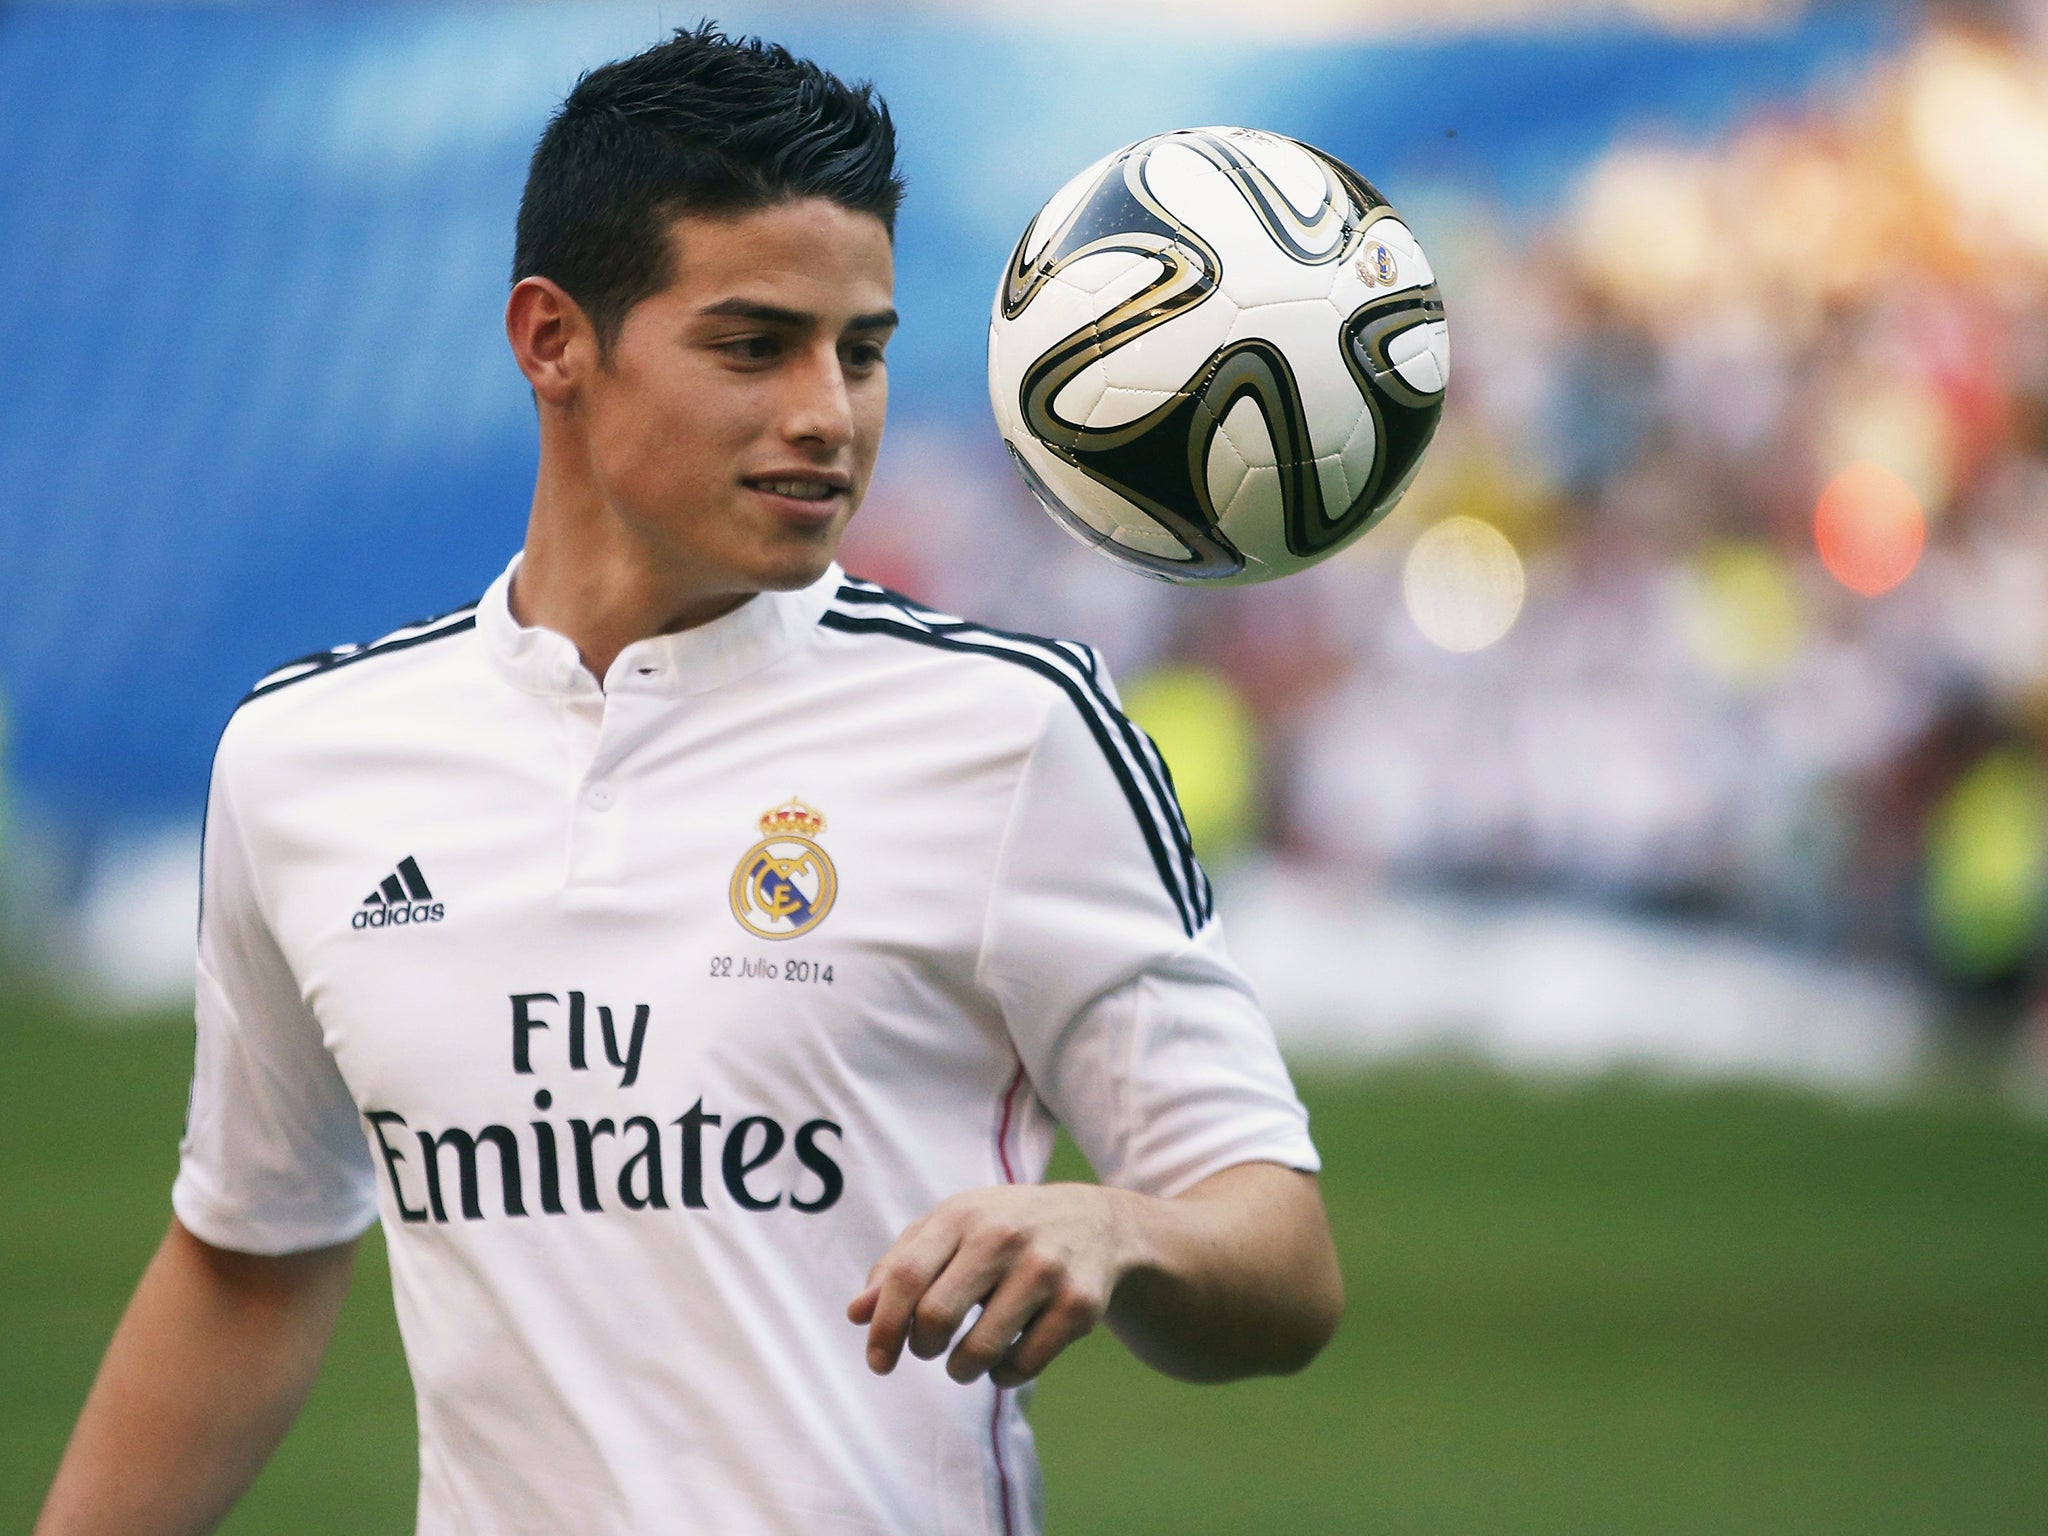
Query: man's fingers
column 1039, row 1262
column 862, row 1307
column 903, row 1239
column 1004, row 1315
column 1067, row 1315
column 901, row 1279
column 983, row 1258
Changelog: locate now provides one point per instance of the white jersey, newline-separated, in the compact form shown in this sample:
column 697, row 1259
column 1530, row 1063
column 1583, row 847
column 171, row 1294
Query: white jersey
column 647, row 1016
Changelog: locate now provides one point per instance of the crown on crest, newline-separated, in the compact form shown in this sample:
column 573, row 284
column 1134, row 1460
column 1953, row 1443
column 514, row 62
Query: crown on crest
column 792, row 818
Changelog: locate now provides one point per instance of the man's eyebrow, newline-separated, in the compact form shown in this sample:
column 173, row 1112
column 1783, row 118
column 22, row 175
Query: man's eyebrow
column 796, row 319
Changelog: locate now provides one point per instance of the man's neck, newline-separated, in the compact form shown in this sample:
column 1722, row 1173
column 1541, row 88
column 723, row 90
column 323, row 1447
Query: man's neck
column 583, row 575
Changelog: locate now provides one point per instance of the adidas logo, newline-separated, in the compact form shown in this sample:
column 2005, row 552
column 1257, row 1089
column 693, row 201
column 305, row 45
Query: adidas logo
column 401, row 897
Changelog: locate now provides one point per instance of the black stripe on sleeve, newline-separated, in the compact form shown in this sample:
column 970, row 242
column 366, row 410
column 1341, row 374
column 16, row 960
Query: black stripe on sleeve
column 1159, row 825
column 320, row 663
column 1142, row 751
column 1198, row 878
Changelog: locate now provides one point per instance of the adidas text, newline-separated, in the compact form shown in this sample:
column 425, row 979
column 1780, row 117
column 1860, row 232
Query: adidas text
column 395, row 917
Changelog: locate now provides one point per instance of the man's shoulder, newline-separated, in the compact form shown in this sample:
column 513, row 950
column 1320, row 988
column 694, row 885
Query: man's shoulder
column 980, row 656
column 1086, row 749
column 346, row 680
column 334, row 661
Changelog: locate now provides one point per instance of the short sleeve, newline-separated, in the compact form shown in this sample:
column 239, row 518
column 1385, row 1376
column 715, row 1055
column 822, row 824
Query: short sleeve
column 273, row 1159
column 1105, row 956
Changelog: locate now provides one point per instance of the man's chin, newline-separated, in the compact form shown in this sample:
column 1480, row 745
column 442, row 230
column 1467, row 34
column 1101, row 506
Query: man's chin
column 771, row 560
column 792, row 569
column 795, row 560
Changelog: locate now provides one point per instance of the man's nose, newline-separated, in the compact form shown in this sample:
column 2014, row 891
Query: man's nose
column 819, row 407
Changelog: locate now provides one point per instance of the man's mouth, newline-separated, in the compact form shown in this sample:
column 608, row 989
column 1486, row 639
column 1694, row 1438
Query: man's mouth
column 798, row 488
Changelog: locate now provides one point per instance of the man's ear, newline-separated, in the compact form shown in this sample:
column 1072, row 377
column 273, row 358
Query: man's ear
column 552, row 339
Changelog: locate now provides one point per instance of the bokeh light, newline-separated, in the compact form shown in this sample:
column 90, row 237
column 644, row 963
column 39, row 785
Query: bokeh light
column 1463, row 584
column 1646, row 226
column 1987, row 867
column 1741, row 617
column 1869, row 528
column 1898, row 422
column 1978, row 122
column 1205, row 730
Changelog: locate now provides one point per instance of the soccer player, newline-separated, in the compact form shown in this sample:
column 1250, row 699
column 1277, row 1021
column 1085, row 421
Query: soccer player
column 688, row 950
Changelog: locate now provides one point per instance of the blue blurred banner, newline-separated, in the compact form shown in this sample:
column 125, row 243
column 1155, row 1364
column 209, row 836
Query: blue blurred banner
column 254, row 262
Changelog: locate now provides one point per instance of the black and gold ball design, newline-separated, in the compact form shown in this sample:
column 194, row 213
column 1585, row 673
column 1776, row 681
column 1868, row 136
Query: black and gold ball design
column 1217, row 356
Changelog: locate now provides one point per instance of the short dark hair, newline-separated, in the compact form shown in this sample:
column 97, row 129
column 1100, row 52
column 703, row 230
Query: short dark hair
column 702, row 123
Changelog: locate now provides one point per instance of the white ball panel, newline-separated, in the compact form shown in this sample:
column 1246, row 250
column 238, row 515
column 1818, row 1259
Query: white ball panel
column 1119, row 407
column 1256, row 500
column 1150, row 539
column 1358, row 452
column 1256, row 270
column 1110, row 277
column 1081, row 396
column 1307, row 334
column 1301, row 180
column 1092, row 502
column 1168, row 356
column 1263, row 273
column 1440, row 351
column 1407, row 346
column 1189, row 184
column 1225, row 470
column 1334, row 476
column 1421, row 356
column 1098, row 506
column 1244, row 428
column 1055, row 312
column 1253, row 523
column 1002, row 391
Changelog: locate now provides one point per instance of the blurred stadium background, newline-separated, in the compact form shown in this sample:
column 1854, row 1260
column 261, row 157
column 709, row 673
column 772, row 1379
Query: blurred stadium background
column 1686, row 721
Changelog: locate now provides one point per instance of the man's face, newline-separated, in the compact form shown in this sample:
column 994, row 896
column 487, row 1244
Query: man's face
column 735, row 424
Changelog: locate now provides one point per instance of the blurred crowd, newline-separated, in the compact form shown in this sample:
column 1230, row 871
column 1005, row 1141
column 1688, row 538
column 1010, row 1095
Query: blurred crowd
column 1764, row 425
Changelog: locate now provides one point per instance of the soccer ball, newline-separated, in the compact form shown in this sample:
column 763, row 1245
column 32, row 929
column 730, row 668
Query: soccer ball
column 1217, row 356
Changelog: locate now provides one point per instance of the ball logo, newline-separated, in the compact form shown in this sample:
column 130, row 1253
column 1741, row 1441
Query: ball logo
column 785, row 884
column 1375, row 265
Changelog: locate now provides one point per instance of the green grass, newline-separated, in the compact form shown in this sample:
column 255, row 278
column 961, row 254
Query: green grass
column 1618, row 1308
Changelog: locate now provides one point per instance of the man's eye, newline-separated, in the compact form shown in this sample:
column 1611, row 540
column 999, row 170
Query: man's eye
column 753, row 349
column 864, row 354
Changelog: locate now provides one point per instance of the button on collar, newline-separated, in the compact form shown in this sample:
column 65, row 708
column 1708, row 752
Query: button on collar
column 754, row 635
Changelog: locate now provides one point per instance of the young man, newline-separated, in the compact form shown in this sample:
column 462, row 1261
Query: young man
column 736, row 933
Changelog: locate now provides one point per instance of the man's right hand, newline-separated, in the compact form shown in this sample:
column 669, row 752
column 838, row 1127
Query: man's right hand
column 206, row 1372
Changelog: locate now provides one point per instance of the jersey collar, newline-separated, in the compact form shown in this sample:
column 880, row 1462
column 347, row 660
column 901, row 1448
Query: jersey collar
column 760, row 631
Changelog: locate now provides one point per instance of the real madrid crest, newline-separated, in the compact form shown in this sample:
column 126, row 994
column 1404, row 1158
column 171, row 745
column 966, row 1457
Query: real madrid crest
column 785, row 884
column 1375, row 265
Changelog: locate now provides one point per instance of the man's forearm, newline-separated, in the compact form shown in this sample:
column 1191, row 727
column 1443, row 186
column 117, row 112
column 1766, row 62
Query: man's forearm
column 1235, row 1277
column 208, row 1368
